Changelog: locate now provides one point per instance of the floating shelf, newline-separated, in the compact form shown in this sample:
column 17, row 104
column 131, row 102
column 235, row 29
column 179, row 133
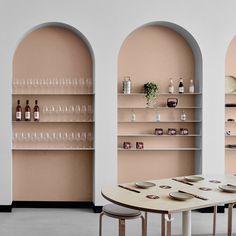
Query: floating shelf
column 159, row 94
column 54, row 94
column 172, row 108
column 232, row 135
column 153, row 135
column 38, row 122
column 161, row 149
column 167, row 121
column 230, row 93
column 230, row 149
column 53, row 149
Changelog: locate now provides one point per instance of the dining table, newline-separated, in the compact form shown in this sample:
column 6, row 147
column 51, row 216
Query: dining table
column 176, row 195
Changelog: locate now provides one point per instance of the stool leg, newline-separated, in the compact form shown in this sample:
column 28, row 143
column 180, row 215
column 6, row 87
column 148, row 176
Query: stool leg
column 230, row 218
column 214, row 220
column 145, row 221
column 169, row 225
column 144, row 227
column 163, row 225
column 121, row 227
column 100, row 224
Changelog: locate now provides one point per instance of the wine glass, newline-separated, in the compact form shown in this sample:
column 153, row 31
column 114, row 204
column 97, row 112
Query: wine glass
column 90, row 139
column 81, row 85
column 71, row 138
column 90, row 112
column 77, row 139
column 77, row 112
column 71, row 111
column 83, row 139
column 84, row 112
column 88, row 83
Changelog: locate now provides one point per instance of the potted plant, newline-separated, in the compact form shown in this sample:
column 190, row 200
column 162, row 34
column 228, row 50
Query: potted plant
column 151, row 91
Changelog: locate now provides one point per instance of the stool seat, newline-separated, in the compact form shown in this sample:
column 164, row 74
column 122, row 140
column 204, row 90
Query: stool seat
column 119, row 211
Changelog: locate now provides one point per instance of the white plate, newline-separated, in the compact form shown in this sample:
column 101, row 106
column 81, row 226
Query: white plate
column 227, row 188
column 180, row 196
column 145, row 184
column 193, row 178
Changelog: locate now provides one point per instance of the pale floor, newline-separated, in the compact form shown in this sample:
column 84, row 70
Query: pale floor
column 83, row 222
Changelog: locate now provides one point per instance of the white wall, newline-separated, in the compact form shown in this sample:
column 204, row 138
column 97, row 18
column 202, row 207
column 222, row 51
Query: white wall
column 106, row 24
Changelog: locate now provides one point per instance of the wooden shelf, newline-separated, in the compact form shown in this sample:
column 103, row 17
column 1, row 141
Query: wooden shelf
column 53, row 149
column 38, row 122
column 153, row 135
column 172, row 108
column 232, row 135
column 230, row 149
column 54, row 94
column 157, row 122
column 159, row 94
column 160, row 149
column 230, row 93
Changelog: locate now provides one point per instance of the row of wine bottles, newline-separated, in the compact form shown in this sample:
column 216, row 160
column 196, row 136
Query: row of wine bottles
column 19, row 115
column 181, row 86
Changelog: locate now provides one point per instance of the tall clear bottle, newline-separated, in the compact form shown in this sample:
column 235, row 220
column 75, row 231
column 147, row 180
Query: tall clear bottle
column 171, row 86
column 191, row 86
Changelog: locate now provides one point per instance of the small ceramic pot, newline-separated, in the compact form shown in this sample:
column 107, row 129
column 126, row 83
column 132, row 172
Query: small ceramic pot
column 139, row 145
column 172, row 131
column 158, row 131
column 172, row 102
column 183, row 131
column 127, row 145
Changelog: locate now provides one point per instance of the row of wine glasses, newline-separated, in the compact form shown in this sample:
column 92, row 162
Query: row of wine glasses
column 53, row 85
column 54, row 139
column 78, row 112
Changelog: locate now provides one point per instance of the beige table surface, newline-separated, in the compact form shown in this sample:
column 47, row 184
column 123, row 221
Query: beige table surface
column 166, row 204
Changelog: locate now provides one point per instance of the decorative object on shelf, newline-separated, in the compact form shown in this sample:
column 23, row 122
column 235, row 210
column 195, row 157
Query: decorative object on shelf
column 158, row 116
column 139, row 145
column 27, row 111
column 183, row 116
column 36, row 111
column 171, row 131
column 127, row 85
column 158, row 131
column 127, row 145
column 151, row 91
column 230, row 84
column 171, row 88
column 191, row 86
column 18, row 111
column 183, row 131
column 172, row 102
column 230, row 105
column 133, row 116
column 231, row 145
column 230, row 119
column 228, row 132
column 181, row 86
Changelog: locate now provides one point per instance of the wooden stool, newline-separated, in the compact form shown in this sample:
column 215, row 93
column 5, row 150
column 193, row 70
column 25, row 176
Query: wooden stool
column 122, row 214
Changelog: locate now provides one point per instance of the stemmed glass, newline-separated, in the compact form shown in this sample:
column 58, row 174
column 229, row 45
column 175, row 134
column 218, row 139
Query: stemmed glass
column 84, row 112
column 90, row 112
column 90, row 139
column 88, row 83
column 83, row 138
column 71, row 111
column 81, row 85
column 77, row 112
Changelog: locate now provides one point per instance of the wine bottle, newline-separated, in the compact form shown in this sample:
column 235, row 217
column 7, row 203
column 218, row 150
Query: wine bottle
column 171, row 86
column 18, row 111
column 181, row 86
column 27, row 111
column 36, row 111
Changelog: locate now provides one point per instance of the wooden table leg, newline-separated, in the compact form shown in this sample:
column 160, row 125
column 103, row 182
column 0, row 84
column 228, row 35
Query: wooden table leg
column 214, row 220
column 230, row 218
column 186, row 223
column 121, row 227
column 169, row 225
column 163, row 225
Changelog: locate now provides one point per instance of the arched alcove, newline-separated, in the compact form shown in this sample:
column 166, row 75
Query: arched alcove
column 155, row 53
column 53, row 157
column 230, row 112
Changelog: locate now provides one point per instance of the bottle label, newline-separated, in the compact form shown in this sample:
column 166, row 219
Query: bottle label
column 36, row 115
column 171, row 89
column 181, row 89
column 191, row 89
column 27, row 115
column 18, row 115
